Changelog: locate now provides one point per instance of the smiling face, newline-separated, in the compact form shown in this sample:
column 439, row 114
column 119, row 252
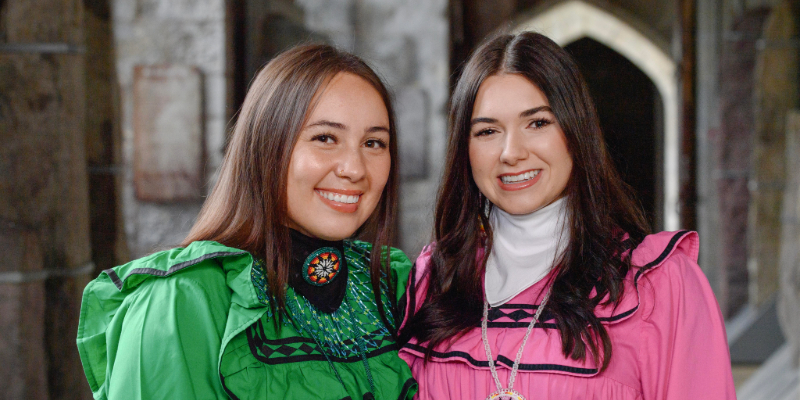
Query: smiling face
column 341, row 161
column 517, row 150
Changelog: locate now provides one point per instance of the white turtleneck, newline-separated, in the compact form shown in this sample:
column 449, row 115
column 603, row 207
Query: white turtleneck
column 524, row 249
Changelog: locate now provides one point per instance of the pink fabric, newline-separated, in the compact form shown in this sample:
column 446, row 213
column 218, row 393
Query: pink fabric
column 667, row 334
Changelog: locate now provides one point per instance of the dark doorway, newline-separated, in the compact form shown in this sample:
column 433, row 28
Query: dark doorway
column 629, row 108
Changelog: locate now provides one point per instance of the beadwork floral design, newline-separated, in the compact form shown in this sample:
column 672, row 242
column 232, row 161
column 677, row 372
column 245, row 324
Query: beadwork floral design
column 322, row 266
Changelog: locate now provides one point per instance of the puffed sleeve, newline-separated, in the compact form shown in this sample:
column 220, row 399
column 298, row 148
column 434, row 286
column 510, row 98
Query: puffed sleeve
column 159, row 341
column 683, row 350
column 401, row 267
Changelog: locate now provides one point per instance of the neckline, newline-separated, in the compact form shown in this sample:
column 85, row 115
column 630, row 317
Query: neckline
column 325, row 295
column 524, row 249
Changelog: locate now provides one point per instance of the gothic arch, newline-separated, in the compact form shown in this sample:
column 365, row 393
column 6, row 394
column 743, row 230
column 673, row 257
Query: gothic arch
column 571, row 20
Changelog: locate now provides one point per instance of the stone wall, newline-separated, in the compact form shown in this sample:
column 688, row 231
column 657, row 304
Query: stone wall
column 406, row 42
column 776, row 93
column 44, row 206
column 182, row 34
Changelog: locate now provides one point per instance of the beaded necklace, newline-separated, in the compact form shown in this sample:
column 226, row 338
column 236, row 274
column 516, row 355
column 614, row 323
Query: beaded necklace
column 338, row 334
column 508, row 393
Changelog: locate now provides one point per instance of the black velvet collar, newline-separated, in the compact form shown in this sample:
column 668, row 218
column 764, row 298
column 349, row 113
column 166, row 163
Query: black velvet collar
column 326, row 294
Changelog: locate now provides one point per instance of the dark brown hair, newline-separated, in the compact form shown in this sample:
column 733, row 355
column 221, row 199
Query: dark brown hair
column 600, row 207
column 247, row 209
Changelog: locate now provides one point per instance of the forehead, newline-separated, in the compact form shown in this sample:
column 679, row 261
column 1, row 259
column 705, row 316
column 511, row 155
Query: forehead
column 507, row 94
column 347, row 95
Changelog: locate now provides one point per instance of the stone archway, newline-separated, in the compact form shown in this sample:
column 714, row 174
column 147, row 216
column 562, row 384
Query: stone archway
column 569, row 21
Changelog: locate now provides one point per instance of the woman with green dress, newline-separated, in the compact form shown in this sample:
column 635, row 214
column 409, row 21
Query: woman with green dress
column 269, row 297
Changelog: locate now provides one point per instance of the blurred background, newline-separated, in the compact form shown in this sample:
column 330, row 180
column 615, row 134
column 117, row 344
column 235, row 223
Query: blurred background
column 114, row 116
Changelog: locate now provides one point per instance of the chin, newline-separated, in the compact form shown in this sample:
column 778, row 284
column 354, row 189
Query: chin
column 333, row 232
column 520, row 209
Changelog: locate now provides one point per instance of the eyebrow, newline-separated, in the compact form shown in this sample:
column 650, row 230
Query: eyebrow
column 526, row 113
column 378, row 129
column 331, row 124
column 341, row 126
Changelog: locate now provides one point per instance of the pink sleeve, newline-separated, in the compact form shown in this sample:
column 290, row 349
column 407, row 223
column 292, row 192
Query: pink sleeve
column 684, row 350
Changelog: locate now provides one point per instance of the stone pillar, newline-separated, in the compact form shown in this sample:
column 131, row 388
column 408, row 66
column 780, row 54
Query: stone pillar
column 708, row 219
column 735, row 153
column 776, row 92
column 44, row 212
column 789, row 292
column 103, row 138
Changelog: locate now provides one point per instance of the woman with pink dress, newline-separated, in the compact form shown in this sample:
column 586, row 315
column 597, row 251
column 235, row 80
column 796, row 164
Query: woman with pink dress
column 543, row 281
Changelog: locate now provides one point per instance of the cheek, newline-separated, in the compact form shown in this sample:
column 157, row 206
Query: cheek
column 379, row 170
column 477, row 161
column 563, row 164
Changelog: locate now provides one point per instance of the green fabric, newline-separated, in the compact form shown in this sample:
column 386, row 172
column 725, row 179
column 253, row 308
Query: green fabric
column 164, row 326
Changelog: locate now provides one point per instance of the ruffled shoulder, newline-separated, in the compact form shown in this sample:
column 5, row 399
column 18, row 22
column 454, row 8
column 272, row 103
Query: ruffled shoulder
column 655, row 252
column 140, row 294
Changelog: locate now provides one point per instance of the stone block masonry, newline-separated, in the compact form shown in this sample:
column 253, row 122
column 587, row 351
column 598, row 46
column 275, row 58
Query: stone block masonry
column 185, row 33
column 168, row 134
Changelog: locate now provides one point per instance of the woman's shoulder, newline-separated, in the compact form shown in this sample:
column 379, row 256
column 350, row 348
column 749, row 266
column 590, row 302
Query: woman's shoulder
column 149, row 307
column 172, row 263
column 399, row 263
column 663, row 264
column 198, row 270
column 666, row 255
column 364, row 249
column 398, row 260
column 665, row 270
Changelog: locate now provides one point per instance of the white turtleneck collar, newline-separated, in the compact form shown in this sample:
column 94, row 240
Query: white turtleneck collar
column 524, row 249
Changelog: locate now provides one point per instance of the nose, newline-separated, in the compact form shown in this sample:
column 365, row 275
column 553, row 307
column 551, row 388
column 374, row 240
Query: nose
column 513, row 148
column 351, row 165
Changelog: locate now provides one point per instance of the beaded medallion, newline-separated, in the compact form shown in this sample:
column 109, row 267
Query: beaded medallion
column 505, row 394
column 322, row 266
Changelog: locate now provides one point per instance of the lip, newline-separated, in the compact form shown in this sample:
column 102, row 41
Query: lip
column 518, row 185
column 341, row 207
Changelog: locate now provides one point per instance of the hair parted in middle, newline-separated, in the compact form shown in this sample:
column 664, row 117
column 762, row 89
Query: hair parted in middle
column 247, row 208
column 601, row 208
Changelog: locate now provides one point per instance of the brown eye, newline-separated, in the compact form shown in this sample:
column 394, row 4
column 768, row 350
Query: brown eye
column 324, row 138
column 376, row 144
column 484, row 132
column 539, row 123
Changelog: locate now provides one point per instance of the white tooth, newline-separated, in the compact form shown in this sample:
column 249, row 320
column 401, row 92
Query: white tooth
column 352, row 199
column 337, row 198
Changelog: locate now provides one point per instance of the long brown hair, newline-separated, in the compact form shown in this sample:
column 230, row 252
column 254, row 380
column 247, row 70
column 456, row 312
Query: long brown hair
column 247, row 209
column 600, row 206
